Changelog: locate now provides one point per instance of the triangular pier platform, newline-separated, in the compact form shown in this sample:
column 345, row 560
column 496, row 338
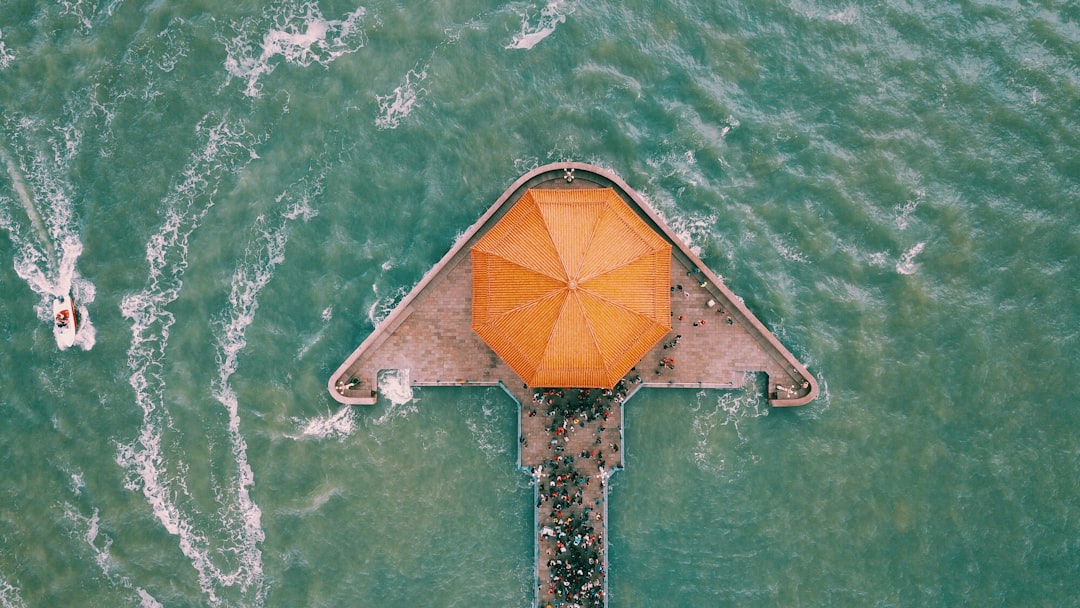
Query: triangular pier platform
column 715, row 342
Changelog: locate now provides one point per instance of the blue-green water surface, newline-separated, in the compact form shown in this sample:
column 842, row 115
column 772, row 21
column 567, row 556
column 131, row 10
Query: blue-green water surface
column 236, row 192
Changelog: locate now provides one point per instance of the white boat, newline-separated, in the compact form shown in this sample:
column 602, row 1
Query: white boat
column 64, row 323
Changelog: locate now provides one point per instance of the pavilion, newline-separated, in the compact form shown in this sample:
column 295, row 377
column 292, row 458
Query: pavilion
column 500, row 308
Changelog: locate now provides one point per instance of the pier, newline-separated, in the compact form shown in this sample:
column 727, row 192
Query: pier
column 709, row 340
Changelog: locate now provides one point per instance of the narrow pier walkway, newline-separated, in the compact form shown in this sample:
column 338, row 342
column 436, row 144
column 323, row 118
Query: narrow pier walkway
column 572, row 441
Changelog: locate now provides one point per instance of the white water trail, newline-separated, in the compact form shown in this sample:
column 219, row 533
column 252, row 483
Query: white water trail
column 260, row 260
column 227, row 148
column 334, row 425
column 102, row 557
column 47, row 250
column 327, row 314
column 24, row 196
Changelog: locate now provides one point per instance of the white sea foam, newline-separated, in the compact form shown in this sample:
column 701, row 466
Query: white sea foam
column 396, row 106
column 7, row 56
column 334, row 425
column 158, row 474
column 78, row 484
column 382, row 307
column 549, row 18
column 847, row 16
column 253, row 274
column 905, row 211
column 907, row 265
column 879, row 259
column 299, row 35
column 730, row 409
column 486, row 430
column 693, row 229
column 10, row 596
column 396, row 386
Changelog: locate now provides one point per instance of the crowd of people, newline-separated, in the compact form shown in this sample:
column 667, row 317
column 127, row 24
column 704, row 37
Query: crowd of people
column 570, row 495
column 571, row 535
column 579, row 405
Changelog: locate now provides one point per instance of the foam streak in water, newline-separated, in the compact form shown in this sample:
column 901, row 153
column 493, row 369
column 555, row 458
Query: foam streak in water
column 9, row 596
column 87, row 16
column 299, row 35
column 6, row 56
column 102, row 557
column 393, row 108
column 227, row 148
column 254, row 273
column 550, row 17
column 906, row 265
column 334, row 425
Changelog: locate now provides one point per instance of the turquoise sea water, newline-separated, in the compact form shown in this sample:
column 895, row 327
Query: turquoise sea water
column 236, row 192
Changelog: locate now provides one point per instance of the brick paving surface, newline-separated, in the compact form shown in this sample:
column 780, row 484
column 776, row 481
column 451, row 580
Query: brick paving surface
column 435, row 341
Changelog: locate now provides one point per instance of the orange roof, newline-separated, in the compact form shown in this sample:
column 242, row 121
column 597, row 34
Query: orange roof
column 571, row 288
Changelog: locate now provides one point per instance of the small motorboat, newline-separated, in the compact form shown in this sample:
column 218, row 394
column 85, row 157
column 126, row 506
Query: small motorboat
column 64, row 323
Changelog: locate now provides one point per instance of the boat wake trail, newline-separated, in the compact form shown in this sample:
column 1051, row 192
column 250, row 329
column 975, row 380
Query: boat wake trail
column 253, row 274
column 151, row 466
column 88, row 529
column 47, row 244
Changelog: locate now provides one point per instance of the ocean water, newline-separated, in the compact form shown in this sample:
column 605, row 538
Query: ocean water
column 236, row 192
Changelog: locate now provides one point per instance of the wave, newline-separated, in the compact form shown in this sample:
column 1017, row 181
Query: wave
column 334, row 425
column 394, row 384
column 86, row 16
column 382, row 307
column 10, row 596
column 299, row 35
column 730, row 409
column 907, row 265
column 6, row 56
column 396, row 106
column 549, row 18
column 253, row 274
column 227, row 147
